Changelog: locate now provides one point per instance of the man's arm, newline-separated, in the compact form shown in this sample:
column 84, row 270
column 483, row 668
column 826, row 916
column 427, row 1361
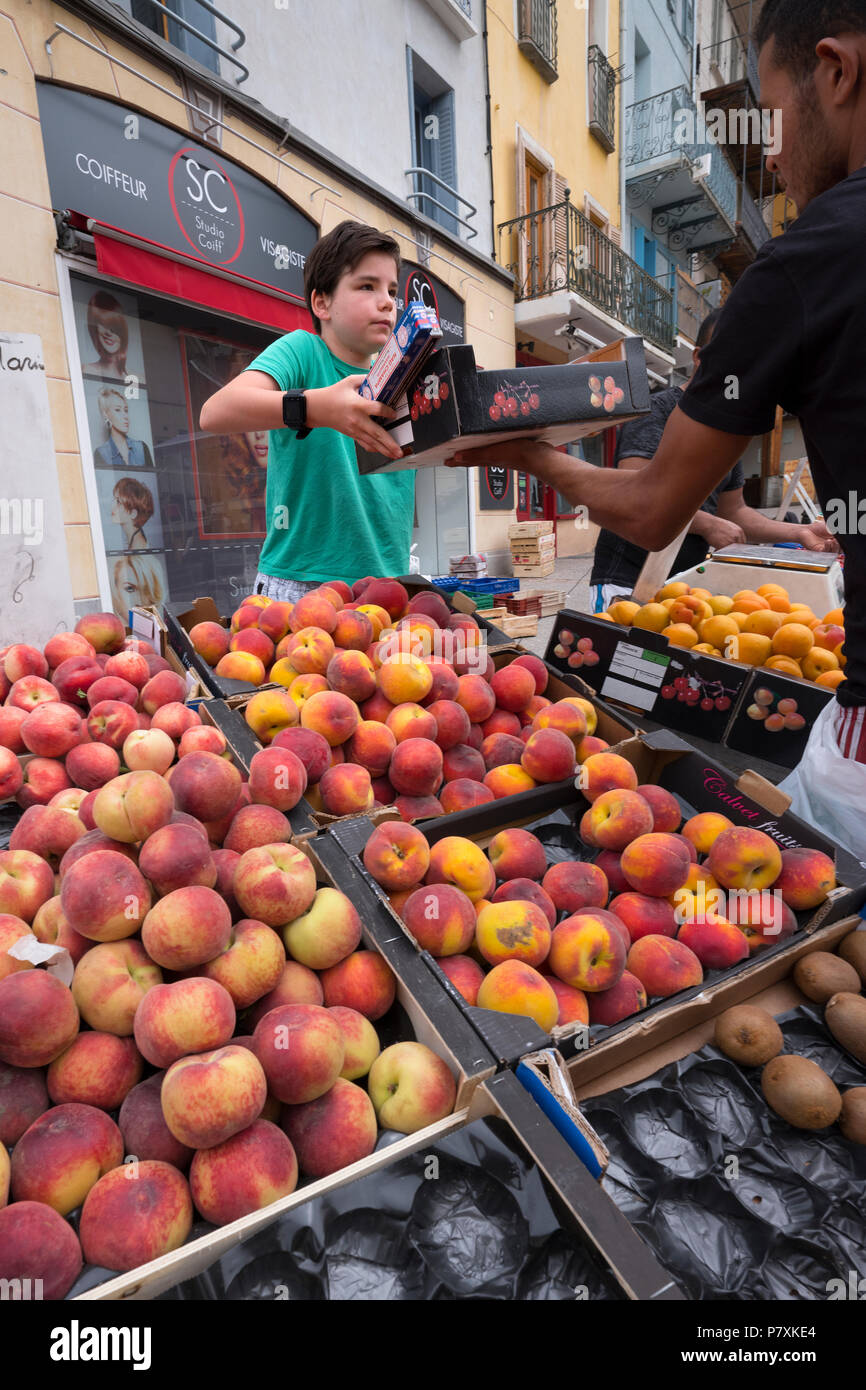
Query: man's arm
column 717, row 531
column 650, row 507
column 254, row 401
column 759, row 528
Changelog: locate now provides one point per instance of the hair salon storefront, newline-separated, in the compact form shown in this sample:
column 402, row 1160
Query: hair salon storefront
column 162, row 267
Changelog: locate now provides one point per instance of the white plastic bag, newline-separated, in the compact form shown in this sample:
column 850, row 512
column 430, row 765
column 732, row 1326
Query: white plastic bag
column 827, row 790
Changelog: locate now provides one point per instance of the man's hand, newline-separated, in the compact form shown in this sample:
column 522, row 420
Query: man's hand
column 815, row 536
column 339, row 407
column 511, row 454
column 717, row 531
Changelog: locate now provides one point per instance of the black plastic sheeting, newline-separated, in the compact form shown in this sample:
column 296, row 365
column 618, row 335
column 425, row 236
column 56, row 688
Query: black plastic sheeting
column 10, row 815
column 735, row 1202
column 468, row 1217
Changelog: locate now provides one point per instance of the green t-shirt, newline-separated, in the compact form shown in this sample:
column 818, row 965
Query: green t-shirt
column 326, row 520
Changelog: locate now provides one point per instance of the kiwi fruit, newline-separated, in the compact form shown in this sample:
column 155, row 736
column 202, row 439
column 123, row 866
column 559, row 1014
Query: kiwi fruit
column 748, row 1035
column 853, row 949
column 845, row 1016
column 852, row 1121
column 821, row 975
column 800, row 1092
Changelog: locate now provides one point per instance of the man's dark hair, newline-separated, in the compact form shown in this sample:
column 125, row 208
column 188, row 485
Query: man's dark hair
column 340, row 251
column 798, row 26
column 707, row 328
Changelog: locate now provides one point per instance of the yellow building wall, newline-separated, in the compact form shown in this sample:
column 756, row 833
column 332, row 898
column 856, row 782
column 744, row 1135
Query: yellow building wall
column 29, row 287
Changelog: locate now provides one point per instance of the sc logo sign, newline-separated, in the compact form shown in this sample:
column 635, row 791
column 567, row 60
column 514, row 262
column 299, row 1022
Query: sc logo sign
column 419, row 287
column 199, row 188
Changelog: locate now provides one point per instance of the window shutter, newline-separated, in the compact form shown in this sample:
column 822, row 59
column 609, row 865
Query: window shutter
column 615, row 234
column 445, row 157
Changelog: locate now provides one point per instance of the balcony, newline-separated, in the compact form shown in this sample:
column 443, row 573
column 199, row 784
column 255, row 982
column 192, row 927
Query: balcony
column 602, row 99
column 565, row 268
column 439, row 200
column 536, row 35
column 692, row 306
column 457, row 16
column 729, row 73
column 675, row 172
column 752, row 231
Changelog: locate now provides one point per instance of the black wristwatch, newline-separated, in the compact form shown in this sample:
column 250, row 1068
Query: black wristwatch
column 295, row 412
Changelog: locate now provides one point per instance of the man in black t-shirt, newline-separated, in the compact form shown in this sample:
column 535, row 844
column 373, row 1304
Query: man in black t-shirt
column 791, row 333
column 723, row 518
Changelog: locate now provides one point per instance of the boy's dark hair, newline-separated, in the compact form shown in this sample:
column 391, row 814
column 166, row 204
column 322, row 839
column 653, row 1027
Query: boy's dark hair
column 707, row 328
column 339, row 251
column 798, row 26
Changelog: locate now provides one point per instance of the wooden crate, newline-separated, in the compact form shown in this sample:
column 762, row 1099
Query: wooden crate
column 521, row 529
column 516, row 626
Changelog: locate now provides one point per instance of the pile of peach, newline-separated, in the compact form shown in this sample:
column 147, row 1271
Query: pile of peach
column 594, row 942
column 759, row 627
column 397, row 724
column 217, row 1028
column 81, row 703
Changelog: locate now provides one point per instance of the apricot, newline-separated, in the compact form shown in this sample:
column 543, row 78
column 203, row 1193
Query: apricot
column 680, row 635
column 792, row 639
column 651, row 616
column 830, row 679
column 624, row 611
column 674, row 589
column 818, row 662
column 516, row 988
column 716, row 629
column 785, row 665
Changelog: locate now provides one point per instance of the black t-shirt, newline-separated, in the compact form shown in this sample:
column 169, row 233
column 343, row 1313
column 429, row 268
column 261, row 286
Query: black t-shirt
column 793, row 333
column 618, row 561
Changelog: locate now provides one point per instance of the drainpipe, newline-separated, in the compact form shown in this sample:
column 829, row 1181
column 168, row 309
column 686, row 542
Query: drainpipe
column 487, row 101
column 623, row 34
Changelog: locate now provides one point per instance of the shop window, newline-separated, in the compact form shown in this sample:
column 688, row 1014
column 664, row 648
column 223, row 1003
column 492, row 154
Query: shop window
column 181, row 512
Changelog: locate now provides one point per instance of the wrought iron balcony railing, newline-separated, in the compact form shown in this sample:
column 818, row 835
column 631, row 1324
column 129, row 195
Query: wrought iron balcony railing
column 670, row 124
column 602, row 98
column 558, row 248
column 174, row 18
column 736, row 59
column 445, row 214
column 537, row 34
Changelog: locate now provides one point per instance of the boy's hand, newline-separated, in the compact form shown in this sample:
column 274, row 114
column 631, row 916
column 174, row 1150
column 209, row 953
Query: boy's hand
column 339, row 407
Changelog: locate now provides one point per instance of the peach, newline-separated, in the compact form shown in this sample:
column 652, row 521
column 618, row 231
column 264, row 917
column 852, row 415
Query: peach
column 277, row 778
column 326, row 933
column 73, row 680
column 476, row 737
column 432, row 604
column 174, row 719
column 513, row 687
column 51, row 730
column 145, row 1132
column 346, row 790
column 301, row 1049
column 463, row 793
column 744, row 858
column 155, row 663
column 128, row 666
column 313, row 609
column 623, row 999
column 333, row 1131
column 371, row 746
column 644, row 916
column 251, row 965
column 398, row 856
column 446, row 683
column 104, row 896
column 191, row 1015
column 667, row 815
column 513, row 987
column 246, row 615
column 23, row 1098
column 363, row 981
column 30, row 691
column 528, row 716
column 110, row 982
column 284, row 673
column 87, row 843
column 501, row 722
column 12, row 929
column 603, row 772
column 412, row 808
column 516, row 930
column 111, row 722
column 574, row 884
column 310, row 650
column 587, row 952
column 41, row 780
column 387, row 594
column 254, row 641
column 274, row 884
column 96, row 1069
column 609, row 863
column 655, row 864
column 441, row 918
column 64, row 646
column 498, row 750
column 267, row 713
column 523, row 890
column 26, row 882
column 573, row 1003
column 806, row 877
column 11, row 720
column 226, row 862
column 465, row 975
column 353, row 630
column 476, row 697
column 297, row 984
column 460, row 862
column 69, row 799
column 536, row 668
column 704, row 829
column 39, row 1249
column 177, row 856
column 112, row 689
column 664, row 966
column 548, row 756
column 378, row 616
column 132, row 807
column 204, row 785
column 416, row 767
column 246, row 1173
column 165, row 688
column 210, row 641
column 125, row 1224
column 20, row 660
column 716, row 943
column 47, row 831
column 403, row 678
column 413, row 721
column 254, row 826
column 302, row 688
column 762, row 917
column 410, row 1087
column 104, row 631
column 211, row 1096
column 618, row 817
column 91, row 765
column 516, row 853
column 332, row 715
column 508, row 780
column 274, row 621
column 360, row 1040
column 685, row 844
column 463, row 761
column 241, row 666
column 353, row 674
column 564, row 716
column 311, row 749
column 63, row 1154
column 187, row 927
column 52, row 928
column 377, row 708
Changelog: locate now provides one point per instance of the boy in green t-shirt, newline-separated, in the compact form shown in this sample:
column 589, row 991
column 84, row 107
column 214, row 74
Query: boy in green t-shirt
column 326, row 521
